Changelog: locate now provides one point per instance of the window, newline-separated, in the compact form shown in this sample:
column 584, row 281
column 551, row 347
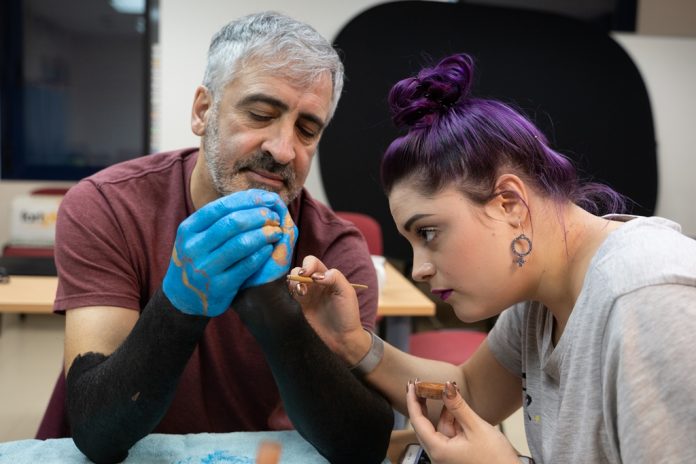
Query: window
column 75, row 85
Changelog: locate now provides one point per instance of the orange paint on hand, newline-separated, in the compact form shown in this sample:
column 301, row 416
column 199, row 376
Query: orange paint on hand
column 288, row 225
column 175, row 258
column 269, row 230
column 184, row 278
column 280, row 255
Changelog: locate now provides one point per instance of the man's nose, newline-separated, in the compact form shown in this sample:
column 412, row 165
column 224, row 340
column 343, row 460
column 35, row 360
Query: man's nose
column 280, row 144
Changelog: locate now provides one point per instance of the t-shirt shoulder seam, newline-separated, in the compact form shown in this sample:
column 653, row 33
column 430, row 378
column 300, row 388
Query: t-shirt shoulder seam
column 99, row 183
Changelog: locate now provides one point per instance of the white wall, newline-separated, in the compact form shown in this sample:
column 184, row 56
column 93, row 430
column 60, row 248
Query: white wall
column 185, row 33
column 668, row 66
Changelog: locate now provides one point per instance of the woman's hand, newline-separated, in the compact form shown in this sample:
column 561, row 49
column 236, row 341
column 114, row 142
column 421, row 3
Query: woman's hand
column 331, row 307
column 462, row 437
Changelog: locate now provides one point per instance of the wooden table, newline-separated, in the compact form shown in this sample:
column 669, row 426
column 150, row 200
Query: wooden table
column 401, row 298
column 398, row 301
column 35, row 294
column 28, row 294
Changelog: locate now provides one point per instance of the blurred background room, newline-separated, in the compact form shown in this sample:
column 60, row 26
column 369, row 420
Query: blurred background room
column 88, row 83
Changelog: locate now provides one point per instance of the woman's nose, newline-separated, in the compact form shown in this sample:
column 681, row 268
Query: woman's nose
column 422, row 271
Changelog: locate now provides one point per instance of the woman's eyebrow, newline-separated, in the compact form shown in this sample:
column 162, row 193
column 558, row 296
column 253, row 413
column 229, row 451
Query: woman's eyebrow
column 412, row 219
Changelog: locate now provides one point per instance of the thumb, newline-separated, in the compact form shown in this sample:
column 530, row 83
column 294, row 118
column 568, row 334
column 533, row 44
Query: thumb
column 312, row 264
column 459, row 408
column 335, row 281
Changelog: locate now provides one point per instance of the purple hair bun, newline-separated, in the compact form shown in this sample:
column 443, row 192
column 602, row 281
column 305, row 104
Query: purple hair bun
column 433, row 91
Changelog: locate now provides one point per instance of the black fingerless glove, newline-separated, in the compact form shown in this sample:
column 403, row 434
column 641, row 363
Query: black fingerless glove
column 346, row 421
column 114, row 401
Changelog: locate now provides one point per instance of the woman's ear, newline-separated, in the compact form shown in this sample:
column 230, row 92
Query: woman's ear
column 511, row 202
column 202, row 104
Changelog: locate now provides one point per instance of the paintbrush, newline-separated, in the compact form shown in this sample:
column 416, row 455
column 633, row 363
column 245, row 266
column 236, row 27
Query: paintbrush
column 309, row 280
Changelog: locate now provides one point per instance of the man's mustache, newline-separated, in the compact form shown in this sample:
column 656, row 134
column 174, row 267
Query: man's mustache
column 264, row 161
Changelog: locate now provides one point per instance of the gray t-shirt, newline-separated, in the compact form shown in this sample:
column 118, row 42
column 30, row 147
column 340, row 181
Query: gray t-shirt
column 620, row 386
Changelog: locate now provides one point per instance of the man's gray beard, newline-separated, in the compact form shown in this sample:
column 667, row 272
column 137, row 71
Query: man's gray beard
column 219, row 173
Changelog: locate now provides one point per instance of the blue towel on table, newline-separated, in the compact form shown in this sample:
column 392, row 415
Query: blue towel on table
column 203, row 448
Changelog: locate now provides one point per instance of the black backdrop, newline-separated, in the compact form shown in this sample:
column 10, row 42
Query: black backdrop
column 573, row 80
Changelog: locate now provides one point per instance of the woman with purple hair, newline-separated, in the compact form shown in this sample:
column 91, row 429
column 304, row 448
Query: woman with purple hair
column 597, row 309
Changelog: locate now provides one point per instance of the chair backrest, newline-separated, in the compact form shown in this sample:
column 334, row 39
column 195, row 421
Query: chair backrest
column 450, row 345
column 369, row 227
column 574, row 81
column 50, row 191
column 11, row 251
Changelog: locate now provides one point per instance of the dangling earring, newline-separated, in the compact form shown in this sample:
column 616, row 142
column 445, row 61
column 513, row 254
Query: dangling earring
column 519, row 255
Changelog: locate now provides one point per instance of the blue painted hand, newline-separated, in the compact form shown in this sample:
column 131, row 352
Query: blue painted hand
column 278, row 264
column 219, row 247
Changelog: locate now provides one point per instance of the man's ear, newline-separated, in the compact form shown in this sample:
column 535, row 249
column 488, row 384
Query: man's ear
column 202, row 105
column 511, row 202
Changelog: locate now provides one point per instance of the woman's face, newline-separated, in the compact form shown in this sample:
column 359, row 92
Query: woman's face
column 459, row 249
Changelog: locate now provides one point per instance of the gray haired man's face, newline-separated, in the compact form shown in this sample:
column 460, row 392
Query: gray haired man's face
column 264, row 133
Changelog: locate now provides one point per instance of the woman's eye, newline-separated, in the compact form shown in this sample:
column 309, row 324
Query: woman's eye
column 428, row 234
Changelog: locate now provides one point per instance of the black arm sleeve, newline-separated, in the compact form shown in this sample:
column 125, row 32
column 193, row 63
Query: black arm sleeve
column 346, row 421
column 114, row 401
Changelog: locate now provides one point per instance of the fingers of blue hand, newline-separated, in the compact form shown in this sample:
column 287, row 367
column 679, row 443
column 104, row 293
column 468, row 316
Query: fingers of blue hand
column 238, row 201
column 238, row 248
column 278, row 263
column 240, row 272
column 239, row 222
column 193, row 269
column 211, row 295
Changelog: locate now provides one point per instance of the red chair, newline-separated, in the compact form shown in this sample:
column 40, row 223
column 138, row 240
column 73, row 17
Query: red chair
column 50, row 191
column 369, row 227
column 27, row 251
column 450, row 345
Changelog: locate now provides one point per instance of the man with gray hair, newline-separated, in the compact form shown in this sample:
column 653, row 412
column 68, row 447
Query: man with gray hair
column 172, row 269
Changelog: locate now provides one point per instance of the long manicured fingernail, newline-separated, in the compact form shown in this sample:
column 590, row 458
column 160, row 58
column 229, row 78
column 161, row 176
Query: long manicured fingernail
column 301, row 272
column 318, row 276
column 450, row 390
column 301, row 289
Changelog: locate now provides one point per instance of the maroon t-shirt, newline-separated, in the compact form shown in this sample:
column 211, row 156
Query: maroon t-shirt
column 114, row 236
